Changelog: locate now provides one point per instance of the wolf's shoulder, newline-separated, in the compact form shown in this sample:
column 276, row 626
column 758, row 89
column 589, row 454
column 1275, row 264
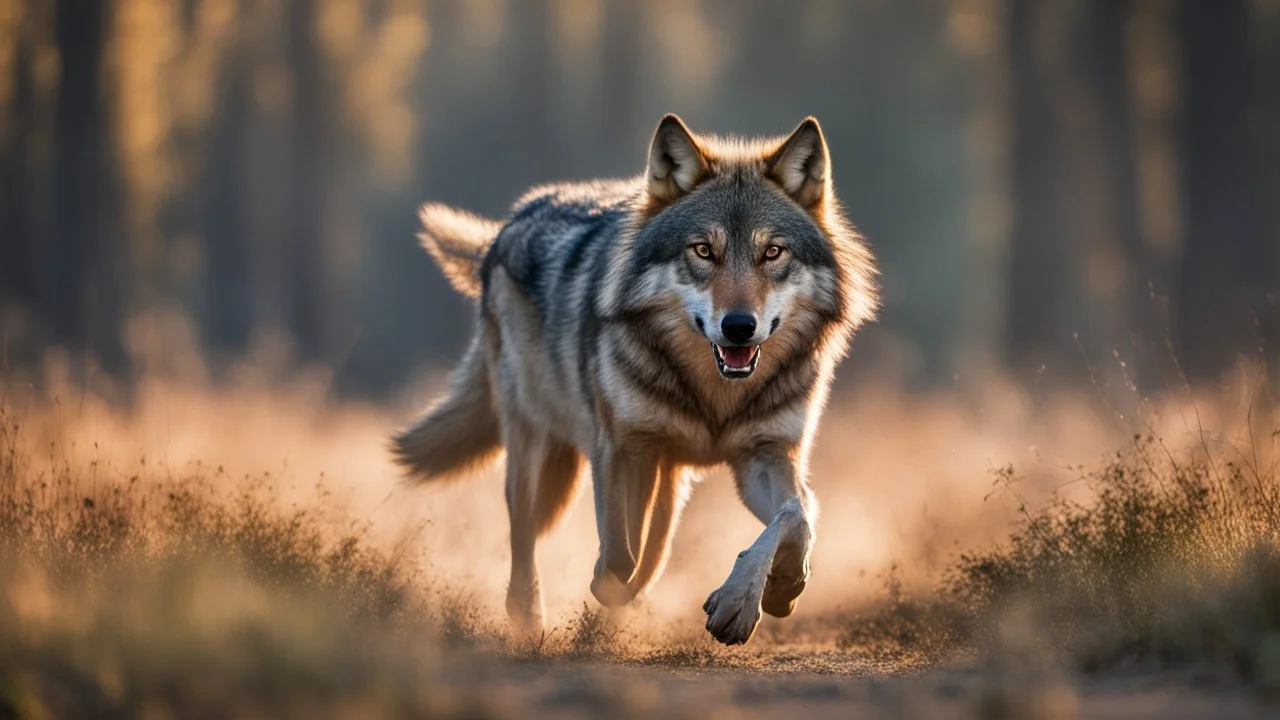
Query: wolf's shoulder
column 553, row 231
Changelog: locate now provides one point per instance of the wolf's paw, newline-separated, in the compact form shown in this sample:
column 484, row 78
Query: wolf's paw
column 525, row 615
column 610, row 591
column 780, row 595
column 525, row 627
column 733, row 612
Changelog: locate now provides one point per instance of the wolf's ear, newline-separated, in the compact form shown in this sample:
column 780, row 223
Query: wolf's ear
column 676, row 163
column 801, row 165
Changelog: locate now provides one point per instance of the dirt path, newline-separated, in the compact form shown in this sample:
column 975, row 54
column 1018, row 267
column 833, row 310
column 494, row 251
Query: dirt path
column 558, row 689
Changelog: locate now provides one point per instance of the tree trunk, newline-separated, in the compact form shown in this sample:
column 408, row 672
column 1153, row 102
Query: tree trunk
column 1224, row 271
column 1266, row 134
column 304, row 249
column 17, row 284
column 1078, row 267
column 227, row 306
column 1040, row 247
column 81, row 291
column 1128, row 313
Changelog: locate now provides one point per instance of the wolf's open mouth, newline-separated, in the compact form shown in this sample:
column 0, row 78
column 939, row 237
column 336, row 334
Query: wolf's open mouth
column 736, row 362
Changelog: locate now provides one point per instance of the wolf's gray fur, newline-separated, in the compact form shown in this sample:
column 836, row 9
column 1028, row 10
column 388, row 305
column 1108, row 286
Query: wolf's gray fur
column 688, row 317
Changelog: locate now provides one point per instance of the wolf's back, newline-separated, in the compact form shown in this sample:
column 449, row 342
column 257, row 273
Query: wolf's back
column 555, row 236
column 458, row 241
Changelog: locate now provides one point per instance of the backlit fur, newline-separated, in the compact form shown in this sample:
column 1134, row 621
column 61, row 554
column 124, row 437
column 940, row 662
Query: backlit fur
column 597, row 318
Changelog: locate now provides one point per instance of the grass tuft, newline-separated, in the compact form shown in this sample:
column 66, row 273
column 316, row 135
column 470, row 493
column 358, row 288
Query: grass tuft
column 1174, row 561
column 153, row 593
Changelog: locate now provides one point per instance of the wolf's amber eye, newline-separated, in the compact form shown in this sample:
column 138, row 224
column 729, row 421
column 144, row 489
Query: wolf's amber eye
column 703, row 250
column 773, row 252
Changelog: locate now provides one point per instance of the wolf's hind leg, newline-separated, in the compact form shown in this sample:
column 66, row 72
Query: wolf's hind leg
column 617, row 477
column 640, row 498
column 668, row 500
column 541, row 478
column 557, row 484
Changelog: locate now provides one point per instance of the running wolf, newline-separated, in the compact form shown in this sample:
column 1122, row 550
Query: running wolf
column 688, row 317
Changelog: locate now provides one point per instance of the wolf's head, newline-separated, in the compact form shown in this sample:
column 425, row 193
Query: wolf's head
column 750, row 239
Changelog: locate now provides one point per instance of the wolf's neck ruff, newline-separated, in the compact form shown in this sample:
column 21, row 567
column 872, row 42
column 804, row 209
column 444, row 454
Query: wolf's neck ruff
column 597, row 304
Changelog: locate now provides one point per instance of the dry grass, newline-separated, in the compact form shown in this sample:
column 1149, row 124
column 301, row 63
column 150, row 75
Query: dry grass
column 135, row 587
column 1174, row 561
column 1171, row 560
column 167, row 596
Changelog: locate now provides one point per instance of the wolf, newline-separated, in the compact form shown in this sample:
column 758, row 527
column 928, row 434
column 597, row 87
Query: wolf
column 689, row 317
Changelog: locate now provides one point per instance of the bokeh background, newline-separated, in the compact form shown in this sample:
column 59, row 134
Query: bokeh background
column 1048, row 184
column 209, row 273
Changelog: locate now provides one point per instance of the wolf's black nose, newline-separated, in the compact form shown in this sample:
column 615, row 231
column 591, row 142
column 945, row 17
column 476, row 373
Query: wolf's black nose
column 738, row 327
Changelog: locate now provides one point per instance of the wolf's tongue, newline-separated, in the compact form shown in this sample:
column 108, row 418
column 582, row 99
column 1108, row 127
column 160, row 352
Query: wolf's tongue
column 737, row 357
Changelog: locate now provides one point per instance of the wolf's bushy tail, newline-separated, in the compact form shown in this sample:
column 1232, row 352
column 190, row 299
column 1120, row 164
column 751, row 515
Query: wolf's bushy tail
column 459, row 433
column 458, row 241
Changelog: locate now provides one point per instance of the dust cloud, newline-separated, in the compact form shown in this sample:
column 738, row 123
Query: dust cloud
column 904, row 481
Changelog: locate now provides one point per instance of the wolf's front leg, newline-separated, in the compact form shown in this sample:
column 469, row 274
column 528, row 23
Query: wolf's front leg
column 772, row 573
column 615, row 473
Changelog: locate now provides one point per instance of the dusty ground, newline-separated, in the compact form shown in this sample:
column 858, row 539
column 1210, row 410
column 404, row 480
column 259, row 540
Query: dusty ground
column 904, row 484
column 591, row 690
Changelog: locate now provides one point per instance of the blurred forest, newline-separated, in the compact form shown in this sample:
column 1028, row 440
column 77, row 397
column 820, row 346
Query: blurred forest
column 1045, row 182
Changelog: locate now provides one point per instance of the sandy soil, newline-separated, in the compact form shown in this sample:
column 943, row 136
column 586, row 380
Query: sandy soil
column 590, row 689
